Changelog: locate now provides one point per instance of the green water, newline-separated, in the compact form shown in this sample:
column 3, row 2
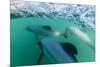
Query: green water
column 23, row 43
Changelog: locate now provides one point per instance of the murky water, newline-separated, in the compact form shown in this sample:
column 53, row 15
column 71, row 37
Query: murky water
column 24, row 50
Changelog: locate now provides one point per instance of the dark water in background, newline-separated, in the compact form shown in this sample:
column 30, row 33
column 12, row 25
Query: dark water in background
column 23, row 43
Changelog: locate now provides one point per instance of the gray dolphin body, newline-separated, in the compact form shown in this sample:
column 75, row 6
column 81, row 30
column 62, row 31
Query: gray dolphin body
column 51, row 46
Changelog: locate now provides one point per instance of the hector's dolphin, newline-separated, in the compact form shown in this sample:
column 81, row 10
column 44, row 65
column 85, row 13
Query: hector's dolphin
column 50, row 45
column 80, row 34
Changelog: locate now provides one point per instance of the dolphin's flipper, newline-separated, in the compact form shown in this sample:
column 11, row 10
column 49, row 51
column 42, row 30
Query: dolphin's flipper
column 56, row 51
column 70, row 49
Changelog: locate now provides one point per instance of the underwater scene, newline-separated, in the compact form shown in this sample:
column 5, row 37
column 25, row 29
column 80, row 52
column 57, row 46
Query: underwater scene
column 51, row 33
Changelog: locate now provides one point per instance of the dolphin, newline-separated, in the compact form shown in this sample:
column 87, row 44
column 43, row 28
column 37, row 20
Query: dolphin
column 80, row 34
column 51, row 45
